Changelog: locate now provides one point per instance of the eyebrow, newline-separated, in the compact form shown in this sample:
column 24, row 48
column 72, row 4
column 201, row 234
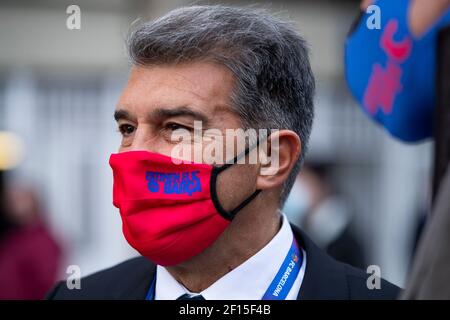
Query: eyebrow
column 122, row 115
column 164, row 113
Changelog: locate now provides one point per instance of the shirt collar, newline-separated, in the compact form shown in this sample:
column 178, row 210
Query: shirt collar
column 249, row 281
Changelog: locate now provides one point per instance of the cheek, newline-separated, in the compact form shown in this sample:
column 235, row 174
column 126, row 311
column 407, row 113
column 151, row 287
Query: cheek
column 235, row 184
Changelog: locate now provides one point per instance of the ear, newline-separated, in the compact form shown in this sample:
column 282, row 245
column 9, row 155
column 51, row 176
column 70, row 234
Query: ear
column 284, row 147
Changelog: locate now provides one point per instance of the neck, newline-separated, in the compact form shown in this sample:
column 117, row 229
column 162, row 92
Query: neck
column 248, row 233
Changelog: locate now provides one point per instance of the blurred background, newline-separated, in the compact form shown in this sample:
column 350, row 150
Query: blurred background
column 58, row 89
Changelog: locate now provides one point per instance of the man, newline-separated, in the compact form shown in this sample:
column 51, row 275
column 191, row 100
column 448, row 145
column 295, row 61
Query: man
column 216, row 232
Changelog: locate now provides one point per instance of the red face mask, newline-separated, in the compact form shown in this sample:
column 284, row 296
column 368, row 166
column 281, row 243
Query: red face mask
column 170, row 212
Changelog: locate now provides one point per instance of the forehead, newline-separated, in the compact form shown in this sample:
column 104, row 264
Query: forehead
column 202, row 84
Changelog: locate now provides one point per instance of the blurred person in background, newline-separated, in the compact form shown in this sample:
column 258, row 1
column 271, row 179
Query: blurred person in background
column 324, row 214
column 399, row 74
column 29, row 255
column 4, row 223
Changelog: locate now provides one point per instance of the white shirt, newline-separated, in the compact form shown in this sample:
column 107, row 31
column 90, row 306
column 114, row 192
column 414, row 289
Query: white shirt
column 249, row 281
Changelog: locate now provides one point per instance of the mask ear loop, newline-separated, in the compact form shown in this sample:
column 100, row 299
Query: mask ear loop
column 229, row 215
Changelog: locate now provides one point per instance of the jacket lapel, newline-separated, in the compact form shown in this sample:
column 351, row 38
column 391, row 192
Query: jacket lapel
column 324, row 277
column 136, row 281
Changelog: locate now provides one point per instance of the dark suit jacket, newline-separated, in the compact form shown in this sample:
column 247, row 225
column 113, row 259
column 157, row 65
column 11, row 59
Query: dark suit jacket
column 325, row 278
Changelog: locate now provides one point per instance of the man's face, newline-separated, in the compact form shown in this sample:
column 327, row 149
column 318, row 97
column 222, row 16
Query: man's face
column 161, row 99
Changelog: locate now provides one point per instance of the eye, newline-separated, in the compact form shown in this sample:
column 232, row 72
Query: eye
column 176, row 126
column 126, row 129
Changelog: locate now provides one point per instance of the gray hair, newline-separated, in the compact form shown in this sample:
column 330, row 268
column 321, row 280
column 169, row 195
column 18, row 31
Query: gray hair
column 274, row 82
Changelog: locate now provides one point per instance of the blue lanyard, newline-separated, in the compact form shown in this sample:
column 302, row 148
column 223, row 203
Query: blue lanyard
column 282, row 282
